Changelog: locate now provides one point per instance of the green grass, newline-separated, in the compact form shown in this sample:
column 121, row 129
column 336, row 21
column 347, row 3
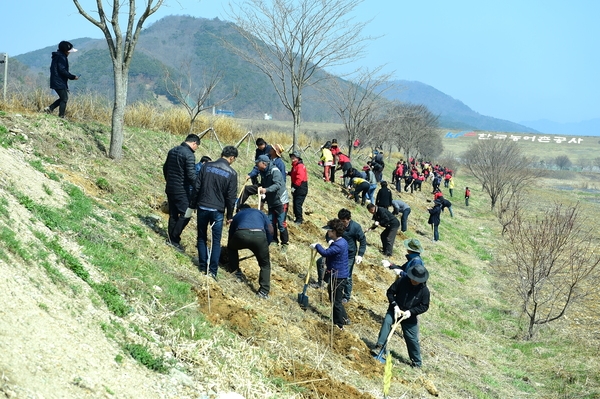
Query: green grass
column 12, row 243
column 142, row 354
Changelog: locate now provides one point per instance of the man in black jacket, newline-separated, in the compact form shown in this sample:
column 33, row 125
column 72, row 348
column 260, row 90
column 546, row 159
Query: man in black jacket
column 384, row 218
column 179, row 171
column 214, row 193
column 408, row 297
column 60, row 76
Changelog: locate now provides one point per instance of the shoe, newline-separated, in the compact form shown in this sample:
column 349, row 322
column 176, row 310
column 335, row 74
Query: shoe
column 213, row 276
column 341, row 328
column 376, row 349
column 240, row 277
column 176, row 246
column 47, row 110
column 274, row 244
column 298, row 222
column 316, row 285
column 262, row 295
column 347, row 322
column 284, row 248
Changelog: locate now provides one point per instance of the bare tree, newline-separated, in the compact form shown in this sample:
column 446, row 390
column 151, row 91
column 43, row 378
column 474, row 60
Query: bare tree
column 292, row 41
column 550, row 258
column 357, row 101
column 563, row 162
column 195, row 98
column 501, row 169
column 121, row 50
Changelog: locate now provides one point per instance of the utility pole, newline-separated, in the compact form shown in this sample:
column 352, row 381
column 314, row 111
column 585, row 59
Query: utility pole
column 4, row 60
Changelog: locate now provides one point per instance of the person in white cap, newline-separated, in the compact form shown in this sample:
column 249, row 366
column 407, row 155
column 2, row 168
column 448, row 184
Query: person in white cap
column 60, row 76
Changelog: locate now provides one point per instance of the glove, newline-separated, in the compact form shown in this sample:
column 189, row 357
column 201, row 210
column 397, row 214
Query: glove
column 406, row 315
column 329, row 242
column 313, row 246
column 385, row 263
column 398, row 314
column 358, row 259
column 376, row 223
column 188, row 213
column 397, row 271
column 292, row 190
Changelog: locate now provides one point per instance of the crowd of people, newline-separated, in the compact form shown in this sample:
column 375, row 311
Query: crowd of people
column 209, row 188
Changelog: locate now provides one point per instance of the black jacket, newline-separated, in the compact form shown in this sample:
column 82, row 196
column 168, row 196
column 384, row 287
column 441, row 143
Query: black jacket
column 385, row 218
column 409, row 297
column 179, row 169
column 384, row 197
column 216, row 187
column 434, row 214
column 59, row 71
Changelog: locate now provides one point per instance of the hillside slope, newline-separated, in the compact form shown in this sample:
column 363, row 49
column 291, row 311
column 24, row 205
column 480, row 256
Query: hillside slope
column 88, row 286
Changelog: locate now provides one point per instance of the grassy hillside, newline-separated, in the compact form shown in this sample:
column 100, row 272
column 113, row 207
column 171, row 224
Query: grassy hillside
column 120, row 314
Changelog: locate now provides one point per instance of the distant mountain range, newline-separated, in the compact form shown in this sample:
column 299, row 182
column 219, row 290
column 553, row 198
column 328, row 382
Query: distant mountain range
column 585, row 128
column 175, row 40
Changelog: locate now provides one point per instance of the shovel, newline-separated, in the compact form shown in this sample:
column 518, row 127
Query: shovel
column 381, row 356
column 302, row 297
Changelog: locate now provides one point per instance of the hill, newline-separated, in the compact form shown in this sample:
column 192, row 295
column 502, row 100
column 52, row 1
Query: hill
column 454, row 114
column 174, row 42
column 94, row 304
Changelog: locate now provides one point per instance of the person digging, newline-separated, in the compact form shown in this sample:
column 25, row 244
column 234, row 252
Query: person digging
column 408, row 297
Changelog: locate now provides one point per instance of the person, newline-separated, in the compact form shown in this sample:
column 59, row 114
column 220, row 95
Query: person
column 336, row 259
column 203, row 160
column 273, row 186
column 384, row 196
column 382, row 217
column 451, row 186
column 467, row 196
column 372, row 183
column 356, row 143
column 299, row 177
column 401, row 207
column 327, row 161
column 274, row 154
column 397, row 176
column 335, row 151
column 408, row 297
column 179, row 172
column 413, row 257
column 251, row 229
column 361, row 188
column 353, row 234
column 378, row 164
column 345, row 165
column 434, row 218
column 214, row 194
column 262, row 148
column 445, row 204
column 60, row 76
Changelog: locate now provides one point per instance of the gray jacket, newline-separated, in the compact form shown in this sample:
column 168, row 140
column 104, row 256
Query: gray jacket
column 272, row 180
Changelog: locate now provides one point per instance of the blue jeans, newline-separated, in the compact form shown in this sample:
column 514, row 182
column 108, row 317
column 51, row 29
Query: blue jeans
column 204, row 219
column 371, row 193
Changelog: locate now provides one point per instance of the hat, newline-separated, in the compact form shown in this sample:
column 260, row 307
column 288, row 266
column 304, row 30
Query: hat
column 413, row 245
column 294, row 154
column 366, row 167
column 263, row 158
column 278, row 148
column 66, row 46
column 418, row 273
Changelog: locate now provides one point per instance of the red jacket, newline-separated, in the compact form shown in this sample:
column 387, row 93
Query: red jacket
column 437, row 195
column 343, row 158
column 298, row 173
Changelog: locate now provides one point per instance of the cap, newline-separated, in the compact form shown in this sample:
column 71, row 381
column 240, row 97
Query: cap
column 295, row 154
column 263, row 158
column 366, row 167
column 418, row 273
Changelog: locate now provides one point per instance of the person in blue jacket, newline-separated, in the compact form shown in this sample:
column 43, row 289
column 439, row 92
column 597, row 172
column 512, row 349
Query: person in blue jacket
column 60, row 76
column 336, row 259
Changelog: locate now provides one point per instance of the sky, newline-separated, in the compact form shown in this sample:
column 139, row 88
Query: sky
column 520, row 60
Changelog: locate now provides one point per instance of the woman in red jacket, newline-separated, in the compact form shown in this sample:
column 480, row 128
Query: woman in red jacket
column 299, row 178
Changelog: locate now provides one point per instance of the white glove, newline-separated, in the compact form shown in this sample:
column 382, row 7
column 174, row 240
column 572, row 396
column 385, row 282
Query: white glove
column 376, row 223
column 188, row 213
column 313, row 246
column 397, row 271
column 398, row 314
column 292, row 190
column 385, row 263
column 329, row 242
column 358, row 259
column 263, row 196
column 406, row 315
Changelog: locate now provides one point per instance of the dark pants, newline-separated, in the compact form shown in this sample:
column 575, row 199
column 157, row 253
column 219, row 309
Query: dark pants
column 388, row 237
column 410, row 330
column 345, row 168
column 398, row 185
column 277, row 216
column 404, row 221
column 348, row 287
column 362, row 188
column 436, row 234
column 178, row 204
column 336, row 294
column 206, row 218
column 466, row 201
column 255, row 241
column 298, row 197
column 248, row 191
column 408, row 184
column 61, row 103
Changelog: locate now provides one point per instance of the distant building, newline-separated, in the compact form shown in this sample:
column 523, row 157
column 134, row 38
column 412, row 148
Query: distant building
column 268, row 117
column 225, row 112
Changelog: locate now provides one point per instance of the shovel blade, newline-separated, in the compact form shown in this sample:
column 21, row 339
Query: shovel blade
column 303, row 300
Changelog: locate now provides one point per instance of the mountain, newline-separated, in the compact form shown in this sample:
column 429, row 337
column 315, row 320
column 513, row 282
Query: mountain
column 454, row 114
column 585, row 128
column 175, row 43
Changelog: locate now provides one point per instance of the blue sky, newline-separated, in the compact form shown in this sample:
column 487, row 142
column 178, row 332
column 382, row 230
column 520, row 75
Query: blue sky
column 520, row 60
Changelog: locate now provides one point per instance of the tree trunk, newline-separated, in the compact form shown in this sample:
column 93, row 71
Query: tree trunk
column 118, row 116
